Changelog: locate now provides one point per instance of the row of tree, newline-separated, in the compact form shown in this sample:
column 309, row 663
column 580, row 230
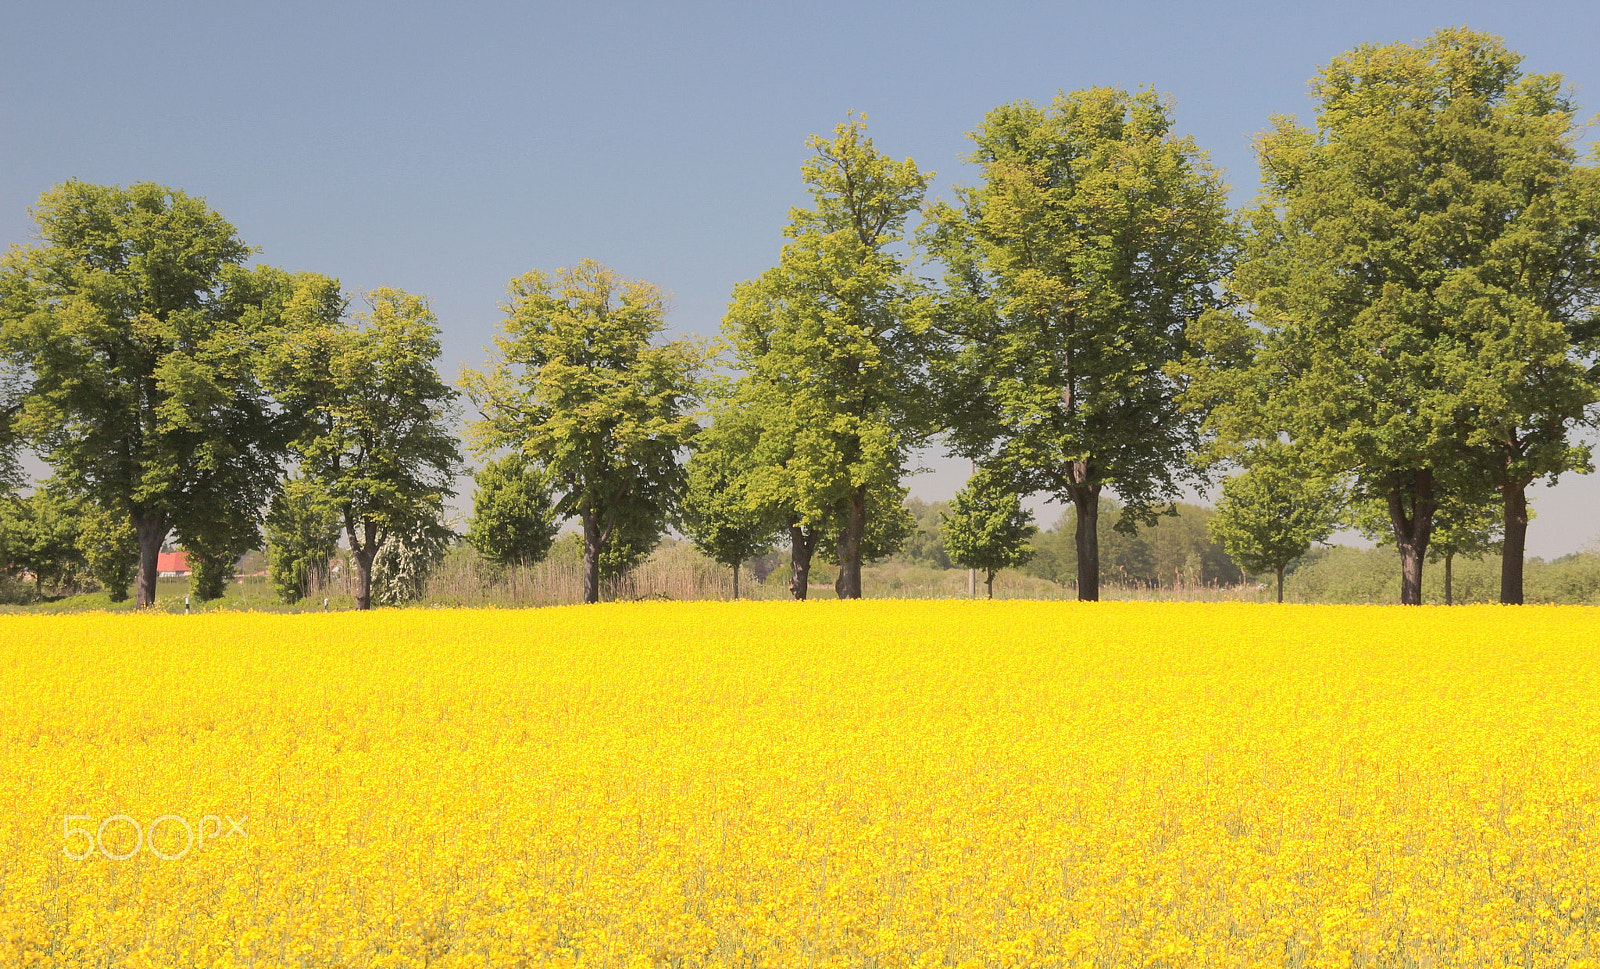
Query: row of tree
column 1405, row 320
column 1401, row 330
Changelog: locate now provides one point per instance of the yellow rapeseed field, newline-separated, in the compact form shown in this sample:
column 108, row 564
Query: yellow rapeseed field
column 822, row 784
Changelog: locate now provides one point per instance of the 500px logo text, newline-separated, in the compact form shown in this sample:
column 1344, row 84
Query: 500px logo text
column 144, row 836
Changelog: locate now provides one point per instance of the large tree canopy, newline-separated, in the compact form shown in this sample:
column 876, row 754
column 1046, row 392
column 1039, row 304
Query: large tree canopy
column 130, row 319
column 1072, row 271
column 1420, row 271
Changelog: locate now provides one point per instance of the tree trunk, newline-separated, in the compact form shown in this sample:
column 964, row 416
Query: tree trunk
column 152, row 531
column 1449, row 594
column 1515, row 544
column 848, row 584
column 363, row 560
column 1410, row 577
column 736, row 580
column 363, row 552
column 988, row 583
column 591, row 556
column 1413, row 527
column 1086, row 500
column 1280, row 583
column 802, row 543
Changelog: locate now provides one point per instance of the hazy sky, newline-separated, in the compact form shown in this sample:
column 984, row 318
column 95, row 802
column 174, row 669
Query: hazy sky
column 443, row 148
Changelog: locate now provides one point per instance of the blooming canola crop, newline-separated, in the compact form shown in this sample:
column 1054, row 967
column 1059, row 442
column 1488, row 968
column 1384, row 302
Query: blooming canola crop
column 949, row 783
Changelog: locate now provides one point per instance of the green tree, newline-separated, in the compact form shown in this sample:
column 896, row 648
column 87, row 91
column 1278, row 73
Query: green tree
column 577, row 387
column 1419, row 268
column 1273, row 512
column 217, row 530
column 721, row 517
column 41, row 537
column 889, row 524
column 14, row 385
column 143, row 370
column 302, row 538
column 223, row 521
column 791, row 468
column 214, row 559
column 303, row 520
column 110, row 549
column 374, row 418
column 638, row 532
column 1072, row 271
column 987, row 528
column 513, row 513
column 834, row 340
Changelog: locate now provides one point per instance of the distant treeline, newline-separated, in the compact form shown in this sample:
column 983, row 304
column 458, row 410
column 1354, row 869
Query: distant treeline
column 1178, row 551
column 1400, row 335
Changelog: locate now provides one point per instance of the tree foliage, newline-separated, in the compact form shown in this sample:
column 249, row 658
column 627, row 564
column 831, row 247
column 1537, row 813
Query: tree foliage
column 1271, row 513
column 889, row 523
column 216, row 534
column 1071, row 273
column 373, row 418
column 639, row 532
column 833, row 344
column 110, row 548
column 789, row 474
column 722, row 518
column 14, row 385
column 1411, row 309
column 129, row 318
column 514, row 518
column 578, row 387
column 302, row 538
column 987, row 528
column 1466, row 524
column 1466, row 529
column 925, row 545
column 213, row 563
column 408, row 556
column 39, row 537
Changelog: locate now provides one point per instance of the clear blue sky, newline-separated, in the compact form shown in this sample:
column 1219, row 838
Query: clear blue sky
column 445, row 147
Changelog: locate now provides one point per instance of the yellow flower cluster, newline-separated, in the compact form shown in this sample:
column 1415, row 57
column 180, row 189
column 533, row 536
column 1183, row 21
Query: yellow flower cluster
column 823, row 784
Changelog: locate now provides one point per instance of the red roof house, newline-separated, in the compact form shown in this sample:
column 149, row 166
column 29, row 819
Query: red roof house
column 172, row 564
